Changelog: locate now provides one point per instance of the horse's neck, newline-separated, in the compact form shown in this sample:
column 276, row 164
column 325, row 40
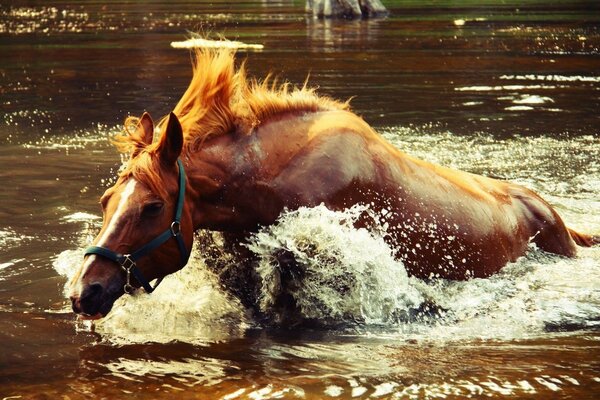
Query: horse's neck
column 206, row 174
column 210, row 172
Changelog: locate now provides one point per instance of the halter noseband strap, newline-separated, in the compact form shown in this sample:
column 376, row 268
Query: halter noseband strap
column 128, row 261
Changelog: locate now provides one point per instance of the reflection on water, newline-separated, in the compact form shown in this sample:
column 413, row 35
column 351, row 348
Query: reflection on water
column 501, row 90
column 327, row 35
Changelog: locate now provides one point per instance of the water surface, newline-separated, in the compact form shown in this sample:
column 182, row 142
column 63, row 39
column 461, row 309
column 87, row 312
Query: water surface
column 509, row 90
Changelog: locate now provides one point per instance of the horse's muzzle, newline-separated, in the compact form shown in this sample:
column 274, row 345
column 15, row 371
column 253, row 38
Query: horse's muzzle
column 94, row 302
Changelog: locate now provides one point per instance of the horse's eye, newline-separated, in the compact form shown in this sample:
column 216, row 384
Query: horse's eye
column 153, row 209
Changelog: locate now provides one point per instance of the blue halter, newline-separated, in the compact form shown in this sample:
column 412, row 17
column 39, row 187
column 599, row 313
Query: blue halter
column 128, row 261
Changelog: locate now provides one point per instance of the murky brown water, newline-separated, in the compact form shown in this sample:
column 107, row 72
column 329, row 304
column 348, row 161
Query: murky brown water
column 505, row 90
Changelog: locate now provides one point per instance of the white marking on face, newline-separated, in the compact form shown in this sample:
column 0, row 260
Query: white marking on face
column 114, row 221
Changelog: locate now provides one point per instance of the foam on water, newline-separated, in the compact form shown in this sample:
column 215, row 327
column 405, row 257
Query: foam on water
column 349, row 275
column 188, row 306
column 537, row 294
column 10, row 238
column 553, row 78
column 345, row 273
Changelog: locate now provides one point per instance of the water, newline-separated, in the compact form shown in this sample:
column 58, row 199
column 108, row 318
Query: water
column 502, row 90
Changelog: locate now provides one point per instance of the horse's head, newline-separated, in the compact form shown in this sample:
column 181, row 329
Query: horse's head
column 147, row 229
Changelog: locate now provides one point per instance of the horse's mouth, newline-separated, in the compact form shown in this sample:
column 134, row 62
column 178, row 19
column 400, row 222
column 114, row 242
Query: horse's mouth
column 94, row 315
column 87, row 317
column 94, row 310
column 101, row 312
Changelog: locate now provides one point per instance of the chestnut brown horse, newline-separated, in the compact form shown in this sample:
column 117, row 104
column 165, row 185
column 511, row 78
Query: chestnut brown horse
column 235, row 153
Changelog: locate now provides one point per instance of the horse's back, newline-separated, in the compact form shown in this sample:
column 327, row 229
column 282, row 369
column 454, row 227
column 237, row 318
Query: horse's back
column 443, row 221
column 310, row 158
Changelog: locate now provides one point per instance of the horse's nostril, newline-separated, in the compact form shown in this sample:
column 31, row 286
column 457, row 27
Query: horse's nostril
column 95, row 289
column 75, row 304
column 90, row 299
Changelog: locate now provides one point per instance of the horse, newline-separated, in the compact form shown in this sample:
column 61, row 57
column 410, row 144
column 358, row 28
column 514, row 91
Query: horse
column 236, row 152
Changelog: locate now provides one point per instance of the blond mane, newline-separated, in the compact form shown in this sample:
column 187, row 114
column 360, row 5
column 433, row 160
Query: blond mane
column 219, row 100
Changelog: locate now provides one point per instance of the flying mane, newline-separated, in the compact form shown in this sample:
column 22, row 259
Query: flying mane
column 219, row 100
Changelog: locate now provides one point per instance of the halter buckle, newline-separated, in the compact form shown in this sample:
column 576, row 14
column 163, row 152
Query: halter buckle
column 127, row 262
column 175, row 228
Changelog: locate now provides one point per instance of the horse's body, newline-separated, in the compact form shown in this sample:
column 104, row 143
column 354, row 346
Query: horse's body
column 442, row 222
column 268, row 150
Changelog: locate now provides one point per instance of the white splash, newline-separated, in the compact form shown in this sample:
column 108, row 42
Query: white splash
column 538, row 293
column 188, row 306
column 10, row 238
column 553, row 78
column 533, row 99
column 346, row 273
column 487, row 88
column 79, row 217
column 518, row 108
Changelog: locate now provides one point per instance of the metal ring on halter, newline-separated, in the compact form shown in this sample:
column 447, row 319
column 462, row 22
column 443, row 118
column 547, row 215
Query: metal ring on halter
column 176, row 228
column 127, row 263
column 127, row 288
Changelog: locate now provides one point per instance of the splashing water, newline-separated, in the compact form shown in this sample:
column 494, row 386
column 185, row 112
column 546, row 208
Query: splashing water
column 538, row 293
column 349, row 274
column 186, row 307
column 342, row 274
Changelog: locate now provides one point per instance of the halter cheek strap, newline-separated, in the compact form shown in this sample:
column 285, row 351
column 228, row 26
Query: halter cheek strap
column 128, row 261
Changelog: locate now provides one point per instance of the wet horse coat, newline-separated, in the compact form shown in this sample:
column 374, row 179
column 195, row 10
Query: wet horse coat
column 444, row 222
column 252, row 150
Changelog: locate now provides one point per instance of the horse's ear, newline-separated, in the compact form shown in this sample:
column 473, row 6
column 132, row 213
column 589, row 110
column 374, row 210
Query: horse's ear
column 147, row 128
column 171, row 142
